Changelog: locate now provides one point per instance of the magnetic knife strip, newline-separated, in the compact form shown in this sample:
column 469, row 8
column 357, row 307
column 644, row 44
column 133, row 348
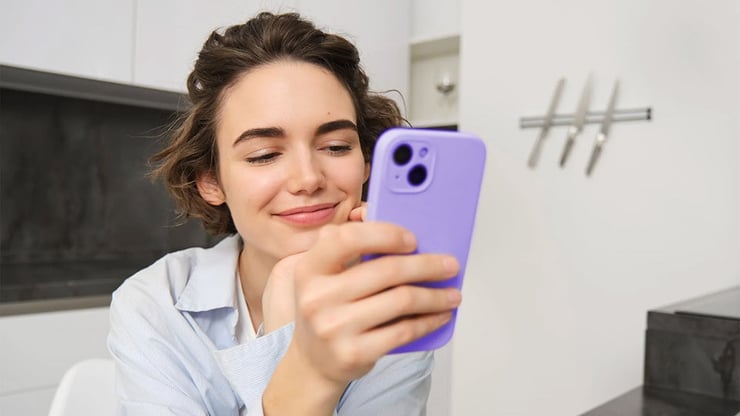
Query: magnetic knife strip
column 577, row 120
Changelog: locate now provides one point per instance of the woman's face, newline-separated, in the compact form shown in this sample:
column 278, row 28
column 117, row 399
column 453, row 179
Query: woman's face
column 289, row 156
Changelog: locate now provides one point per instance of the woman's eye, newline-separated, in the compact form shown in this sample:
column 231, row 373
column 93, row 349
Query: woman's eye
column 338, row 149
column 262, row 159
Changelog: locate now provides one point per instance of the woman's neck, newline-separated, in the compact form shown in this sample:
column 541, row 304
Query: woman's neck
column 254, row 270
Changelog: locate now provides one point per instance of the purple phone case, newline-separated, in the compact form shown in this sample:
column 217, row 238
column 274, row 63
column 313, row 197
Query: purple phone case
column 440, row 211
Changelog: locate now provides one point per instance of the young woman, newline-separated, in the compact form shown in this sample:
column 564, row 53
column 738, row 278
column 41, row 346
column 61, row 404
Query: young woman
column 280, row 317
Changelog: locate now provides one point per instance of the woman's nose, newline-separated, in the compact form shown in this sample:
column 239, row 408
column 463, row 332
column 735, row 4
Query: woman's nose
column 306, row 174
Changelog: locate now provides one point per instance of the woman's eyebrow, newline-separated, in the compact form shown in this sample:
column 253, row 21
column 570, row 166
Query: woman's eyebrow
column 259, row 132
column 278, row 132
column 335, row 125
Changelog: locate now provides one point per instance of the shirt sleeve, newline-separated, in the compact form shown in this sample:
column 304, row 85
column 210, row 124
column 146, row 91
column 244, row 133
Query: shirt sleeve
column 148, row 381
column 159, row 364
column 398, row 385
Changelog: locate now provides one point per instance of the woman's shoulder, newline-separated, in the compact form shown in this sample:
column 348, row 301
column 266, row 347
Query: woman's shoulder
column 168, row 274
column 164, row 281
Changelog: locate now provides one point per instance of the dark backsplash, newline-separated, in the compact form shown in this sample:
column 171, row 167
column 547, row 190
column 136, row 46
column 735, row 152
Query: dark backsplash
column 78, row 213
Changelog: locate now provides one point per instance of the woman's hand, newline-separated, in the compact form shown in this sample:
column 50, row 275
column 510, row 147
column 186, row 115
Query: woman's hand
column 349, row 317
column 278, row 304
column 278, row 298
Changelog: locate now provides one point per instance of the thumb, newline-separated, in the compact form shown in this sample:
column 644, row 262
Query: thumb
column 359, row 213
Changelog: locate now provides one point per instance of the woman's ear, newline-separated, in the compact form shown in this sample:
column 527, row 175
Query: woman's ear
column 367, row 172
column 210, row 190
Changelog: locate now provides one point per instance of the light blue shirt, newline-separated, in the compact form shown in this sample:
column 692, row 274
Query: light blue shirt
column 173, row 336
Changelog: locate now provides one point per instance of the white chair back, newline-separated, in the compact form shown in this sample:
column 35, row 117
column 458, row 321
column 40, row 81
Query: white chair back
column 87, row 388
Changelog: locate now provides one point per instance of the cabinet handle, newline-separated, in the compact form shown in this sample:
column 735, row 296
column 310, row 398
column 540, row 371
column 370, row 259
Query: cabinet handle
column 445, row 86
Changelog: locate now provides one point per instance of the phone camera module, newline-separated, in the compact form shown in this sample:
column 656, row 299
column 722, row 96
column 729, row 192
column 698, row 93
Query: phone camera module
column 417, row 175
column 402, row 154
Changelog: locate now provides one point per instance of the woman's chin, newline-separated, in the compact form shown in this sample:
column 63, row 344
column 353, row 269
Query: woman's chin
column 299, row 243
column 296, row 242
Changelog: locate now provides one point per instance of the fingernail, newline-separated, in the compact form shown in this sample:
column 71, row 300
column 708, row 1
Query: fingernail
column 409, row 239
column 450, row 264
column 454, row 297
column 443, row 319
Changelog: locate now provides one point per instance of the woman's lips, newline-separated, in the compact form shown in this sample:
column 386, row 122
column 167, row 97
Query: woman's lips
column 309, row 215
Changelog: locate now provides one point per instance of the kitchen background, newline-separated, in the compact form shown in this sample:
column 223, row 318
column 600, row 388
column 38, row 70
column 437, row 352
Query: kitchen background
column 564, row 267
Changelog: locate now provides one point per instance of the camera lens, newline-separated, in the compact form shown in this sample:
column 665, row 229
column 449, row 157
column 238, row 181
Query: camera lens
column 402, row 154
column 417, row 175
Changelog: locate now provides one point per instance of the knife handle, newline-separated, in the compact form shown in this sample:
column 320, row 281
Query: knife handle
column 569, row 141
column 596, row 153
column 535, row 154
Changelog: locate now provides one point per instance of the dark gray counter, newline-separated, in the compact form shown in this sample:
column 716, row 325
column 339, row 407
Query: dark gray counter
column 692, row 361
column 644, row 401
column 54, row 305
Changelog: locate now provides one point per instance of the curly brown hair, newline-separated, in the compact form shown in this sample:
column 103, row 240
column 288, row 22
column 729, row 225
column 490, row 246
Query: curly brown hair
column 192, row 149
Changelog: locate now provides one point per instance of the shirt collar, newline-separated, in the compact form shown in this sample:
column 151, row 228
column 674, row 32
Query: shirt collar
column 212, row 272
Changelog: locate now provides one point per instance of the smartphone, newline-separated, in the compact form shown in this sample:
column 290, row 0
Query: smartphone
column 428, row 181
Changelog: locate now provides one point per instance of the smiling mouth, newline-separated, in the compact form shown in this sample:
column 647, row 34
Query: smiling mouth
column 309, row 215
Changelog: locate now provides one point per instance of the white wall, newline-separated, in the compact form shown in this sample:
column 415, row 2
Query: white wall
column 169, row 33
column 434, row 18
column 378, row 28
column 565, row 267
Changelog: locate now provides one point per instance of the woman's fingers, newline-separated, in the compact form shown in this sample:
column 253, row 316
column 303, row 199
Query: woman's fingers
column 326, row 278
column 338, row 245
column 392, row 304
column 347, row 315
column 380, row 341
column 373, row 277
column 346, row 354
column 376, row 275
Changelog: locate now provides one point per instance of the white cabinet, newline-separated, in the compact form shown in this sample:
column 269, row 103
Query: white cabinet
column 85, row 38
column 169, row 34
column 155, row 44
column 435, row 82
column 434, row 49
